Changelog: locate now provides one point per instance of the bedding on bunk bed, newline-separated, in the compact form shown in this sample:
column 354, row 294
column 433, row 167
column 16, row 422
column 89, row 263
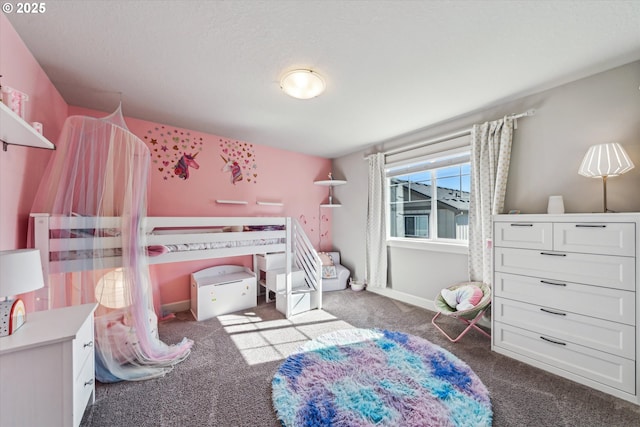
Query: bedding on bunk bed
column 155, row 250
column 160, row 249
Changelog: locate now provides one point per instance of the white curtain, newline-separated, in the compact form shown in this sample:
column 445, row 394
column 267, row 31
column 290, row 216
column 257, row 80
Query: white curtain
column 376, row 256
column 490, row 156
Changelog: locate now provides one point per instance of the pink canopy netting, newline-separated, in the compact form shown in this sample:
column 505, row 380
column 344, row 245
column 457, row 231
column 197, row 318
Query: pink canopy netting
column 100, row 170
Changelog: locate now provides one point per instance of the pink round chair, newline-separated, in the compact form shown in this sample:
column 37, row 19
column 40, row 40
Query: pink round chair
column 469, row 317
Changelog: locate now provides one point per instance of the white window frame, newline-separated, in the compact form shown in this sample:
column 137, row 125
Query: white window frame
column 437, row 160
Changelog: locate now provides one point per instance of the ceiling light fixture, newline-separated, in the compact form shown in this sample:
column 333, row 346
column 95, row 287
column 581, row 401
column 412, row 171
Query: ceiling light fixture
column 302, row 84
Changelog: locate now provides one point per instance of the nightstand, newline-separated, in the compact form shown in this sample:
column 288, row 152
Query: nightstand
column 47, row 369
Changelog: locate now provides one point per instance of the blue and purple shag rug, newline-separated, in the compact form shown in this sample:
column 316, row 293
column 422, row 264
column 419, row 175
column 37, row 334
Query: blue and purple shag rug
column 375, row 377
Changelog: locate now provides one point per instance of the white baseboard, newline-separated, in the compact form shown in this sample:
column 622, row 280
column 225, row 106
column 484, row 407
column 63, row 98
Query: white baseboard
column 425, row 303
column 404, row 297
column 175, row 307
column 417, row 301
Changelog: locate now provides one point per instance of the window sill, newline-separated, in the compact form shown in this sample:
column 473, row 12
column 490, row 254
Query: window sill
column 447, row 247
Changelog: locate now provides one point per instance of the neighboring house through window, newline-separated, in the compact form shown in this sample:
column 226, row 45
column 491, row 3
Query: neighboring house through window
column 429, row 192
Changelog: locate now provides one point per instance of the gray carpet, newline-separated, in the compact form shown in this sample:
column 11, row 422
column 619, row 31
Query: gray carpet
column 226, row 381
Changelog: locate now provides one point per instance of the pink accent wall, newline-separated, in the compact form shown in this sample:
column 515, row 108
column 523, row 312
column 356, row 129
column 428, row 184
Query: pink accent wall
column 269, row 174
column 21, row 168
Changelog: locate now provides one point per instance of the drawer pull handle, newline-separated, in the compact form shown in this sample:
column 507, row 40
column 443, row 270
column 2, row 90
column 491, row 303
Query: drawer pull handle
column 90, row 382
column 553, row 312
column 89, row 344
column 591, row 225
column 522, row 225
column 552, row 283
column 552, row 254
column 554, row 341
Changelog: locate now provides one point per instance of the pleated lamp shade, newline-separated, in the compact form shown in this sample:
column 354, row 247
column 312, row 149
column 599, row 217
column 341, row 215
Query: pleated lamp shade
column 605, row 160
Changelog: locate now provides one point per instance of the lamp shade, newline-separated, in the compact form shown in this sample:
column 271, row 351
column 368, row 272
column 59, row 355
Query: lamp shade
column 20, row 272
column 605, row 160
column 110, row 291
column 302, row 84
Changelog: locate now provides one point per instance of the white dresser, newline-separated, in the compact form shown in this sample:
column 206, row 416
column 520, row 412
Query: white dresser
column 565, row 296
column 47, row 369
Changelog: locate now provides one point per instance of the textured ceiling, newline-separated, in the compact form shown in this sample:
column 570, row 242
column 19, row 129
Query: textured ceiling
column 392, row 67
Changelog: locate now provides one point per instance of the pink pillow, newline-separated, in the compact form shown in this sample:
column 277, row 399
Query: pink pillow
column 155, row 250
column 463, row 298
column 326, row 258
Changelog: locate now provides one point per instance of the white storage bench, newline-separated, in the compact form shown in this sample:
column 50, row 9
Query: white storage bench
column 222, row 289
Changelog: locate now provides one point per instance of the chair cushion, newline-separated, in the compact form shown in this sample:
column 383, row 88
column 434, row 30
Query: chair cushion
column 463, row 297
column 445, row 309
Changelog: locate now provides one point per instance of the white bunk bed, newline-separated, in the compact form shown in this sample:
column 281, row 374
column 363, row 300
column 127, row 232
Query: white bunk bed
column 72, row 243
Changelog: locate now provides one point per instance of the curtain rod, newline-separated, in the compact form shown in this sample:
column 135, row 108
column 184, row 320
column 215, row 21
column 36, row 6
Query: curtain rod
column 453, row 135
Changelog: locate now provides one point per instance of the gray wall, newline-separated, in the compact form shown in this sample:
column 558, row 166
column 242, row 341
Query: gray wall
column 547, row 151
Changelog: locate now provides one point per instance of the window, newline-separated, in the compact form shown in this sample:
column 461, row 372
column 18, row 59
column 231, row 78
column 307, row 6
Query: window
column 429, row 198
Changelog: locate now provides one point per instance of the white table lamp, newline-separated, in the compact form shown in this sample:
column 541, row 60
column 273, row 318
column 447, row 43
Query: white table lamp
column 20, row 272
column 605, row 160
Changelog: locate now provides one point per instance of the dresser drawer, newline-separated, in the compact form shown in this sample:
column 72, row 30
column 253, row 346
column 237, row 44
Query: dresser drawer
column 605, row 303
column 604, row 368
column 271, row 261
column 83, row 346
column 530, row 235
column 595, row 238
column 84, row 386
column 611, row 337
column 601, row 270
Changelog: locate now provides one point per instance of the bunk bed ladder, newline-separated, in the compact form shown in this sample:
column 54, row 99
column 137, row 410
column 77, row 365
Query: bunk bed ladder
column 306, row 295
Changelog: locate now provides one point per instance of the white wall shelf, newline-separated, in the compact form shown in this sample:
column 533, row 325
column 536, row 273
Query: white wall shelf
column 232, row 202
column 330, row 183
column 16, row 131
column 261, row 203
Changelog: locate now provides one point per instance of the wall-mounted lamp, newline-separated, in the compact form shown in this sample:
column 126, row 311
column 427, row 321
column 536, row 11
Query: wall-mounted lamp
column 302, row 84
column 605, row 160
